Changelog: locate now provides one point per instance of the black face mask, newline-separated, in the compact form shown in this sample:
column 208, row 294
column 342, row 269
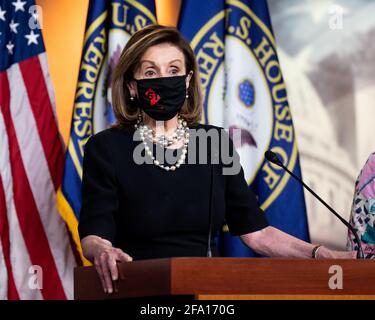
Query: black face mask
column 162, row 98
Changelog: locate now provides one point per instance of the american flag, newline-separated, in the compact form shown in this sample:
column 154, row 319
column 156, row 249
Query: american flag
column 36, row 255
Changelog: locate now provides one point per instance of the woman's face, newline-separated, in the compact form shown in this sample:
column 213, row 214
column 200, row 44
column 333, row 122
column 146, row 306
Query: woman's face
column 162, row 60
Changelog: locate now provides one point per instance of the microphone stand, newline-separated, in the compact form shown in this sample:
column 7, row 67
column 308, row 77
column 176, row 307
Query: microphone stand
column 209, row 251
column 272, row 157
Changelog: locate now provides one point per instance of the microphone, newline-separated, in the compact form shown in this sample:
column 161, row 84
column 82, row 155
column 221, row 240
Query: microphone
column 272, row 157
column 209, row 251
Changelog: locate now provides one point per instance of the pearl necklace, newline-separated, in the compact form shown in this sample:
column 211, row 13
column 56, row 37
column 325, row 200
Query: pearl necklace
column 162, row 139
column 147, row 134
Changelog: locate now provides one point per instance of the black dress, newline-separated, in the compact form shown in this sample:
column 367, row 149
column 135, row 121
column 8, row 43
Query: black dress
column 152, row 213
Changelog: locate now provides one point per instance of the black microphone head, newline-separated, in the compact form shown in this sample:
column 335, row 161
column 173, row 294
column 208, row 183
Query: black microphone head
column 272, row 157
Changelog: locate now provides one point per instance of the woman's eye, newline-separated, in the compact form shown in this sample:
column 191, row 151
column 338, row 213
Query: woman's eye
column 174, row 71
column 149, row 73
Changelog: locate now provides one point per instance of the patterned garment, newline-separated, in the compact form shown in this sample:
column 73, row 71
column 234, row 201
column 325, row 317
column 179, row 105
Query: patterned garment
column 363, row 210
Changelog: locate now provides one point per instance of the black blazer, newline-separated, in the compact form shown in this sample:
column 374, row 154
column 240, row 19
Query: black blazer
column 152, row 213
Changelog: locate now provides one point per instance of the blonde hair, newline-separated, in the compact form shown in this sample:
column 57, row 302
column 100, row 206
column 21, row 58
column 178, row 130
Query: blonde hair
column 125, row 111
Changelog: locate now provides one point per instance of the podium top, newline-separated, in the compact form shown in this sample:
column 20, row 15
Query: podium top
column 231, row 276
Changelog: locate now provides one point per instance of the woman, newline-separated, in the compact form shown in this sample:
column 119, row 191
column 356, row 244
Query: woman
column 142, row 211
column 363, row 210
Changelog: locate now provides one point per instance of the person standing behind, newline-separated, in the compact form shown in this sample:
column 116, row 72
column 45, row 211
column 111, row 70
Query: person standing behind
column 363, row 210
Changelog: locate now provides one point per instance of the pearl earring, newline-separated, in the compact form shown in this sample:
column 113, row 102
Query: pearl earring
column 132, row 98
column 187, row 96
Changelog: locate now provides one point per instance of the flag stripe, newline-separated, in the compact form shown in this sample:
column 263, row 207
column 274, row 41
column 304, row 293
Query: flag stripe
column 19, row 255
column 36, row 169
column 6, row 274
column 46, row 75
column 37, row 92
column 3, row 275
column 27, row 212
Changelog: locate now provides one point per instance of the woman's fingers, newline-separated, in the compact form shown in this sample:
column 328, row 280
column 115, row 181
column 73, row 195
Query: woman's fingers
column 112, row 267
column 122, row 256
column 106, row 272
column 105, row 264
column 100, row 273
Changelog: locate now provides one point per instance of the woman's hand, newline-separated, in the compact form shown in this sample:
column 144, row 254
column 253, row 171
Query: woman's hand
column 104, row 256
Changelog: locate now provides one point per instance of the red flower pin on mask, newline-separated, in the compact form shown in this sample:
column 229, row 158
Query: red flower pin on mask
column 153, row 96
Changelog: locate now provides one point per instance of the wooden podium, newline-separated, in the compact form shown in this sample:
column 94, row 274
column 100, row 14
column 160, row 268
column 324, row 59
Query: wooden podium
column 234, row 278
